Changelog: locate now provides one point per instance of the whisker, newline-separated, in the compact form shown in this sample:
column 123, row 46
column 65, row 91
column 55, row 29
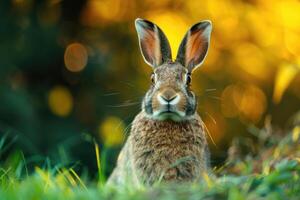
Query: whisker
column 111, row 94
column 126, row 131
column 211, row 90
column 127, row 83
column 211, row 117
column 123, row 105
column 136, row 97
column 208, row 133
column 131, row 85
column 119, row 124
column 215, row 97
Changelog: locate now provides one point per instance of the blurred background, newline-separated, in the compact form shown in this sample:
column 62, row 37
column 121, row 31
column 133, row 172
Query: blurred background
column 71, row 73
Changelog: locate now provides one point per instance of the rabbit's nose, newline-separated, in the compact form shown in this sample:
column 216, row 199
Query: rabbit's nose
column 168, row 97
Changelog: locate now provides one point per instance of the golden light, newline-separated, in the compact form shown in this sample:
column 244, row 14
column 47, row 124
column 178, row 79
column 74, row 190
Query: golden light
column 246, row 101
column 252, row 104
column 264, row 28
column 100, row 12
column 288, row 12
column 111, row 131
column 292, row 42
column 75, row 57
column 173, row 25
column 286, row 73
column 251, row 59
column 60, row 101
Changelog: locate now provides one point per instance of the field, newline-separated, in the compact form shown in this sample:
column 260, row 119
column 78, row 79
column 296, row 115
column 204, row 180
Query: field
column 73, row 78
column 272, row 171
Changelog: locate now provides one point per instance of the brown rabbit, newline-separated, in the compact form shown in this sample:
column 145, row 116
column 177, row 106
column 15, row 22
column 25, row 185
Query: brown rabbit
column 167, row 141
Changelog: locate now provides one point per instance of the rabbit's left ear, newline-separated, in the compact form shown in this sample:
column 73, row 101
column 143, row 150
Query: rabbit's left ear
column 194, row 46
column 154, row 45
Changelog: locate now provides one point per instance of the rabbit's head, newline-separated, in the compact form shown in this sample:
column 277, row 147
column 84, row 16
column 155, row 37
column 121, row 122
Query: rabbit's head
column 170, row 96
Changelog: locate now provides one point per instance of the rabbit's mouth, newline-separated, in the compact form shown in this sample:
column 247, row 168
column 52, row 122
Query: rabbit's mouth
column 168, row 114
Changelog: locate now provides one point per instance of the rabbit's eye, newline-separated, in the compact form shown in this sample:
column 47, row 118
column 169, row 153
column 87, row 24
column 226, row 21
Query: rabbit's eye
column 153, row 78
column 188, row 79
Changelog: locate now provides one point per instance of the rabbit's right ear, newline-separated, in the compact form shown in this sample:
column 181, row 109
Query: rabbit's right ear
column 194, row 46
column 153, row 43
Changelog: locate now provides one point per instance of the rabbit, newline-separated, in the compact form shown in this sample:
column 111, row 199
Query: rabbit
column 167, row 142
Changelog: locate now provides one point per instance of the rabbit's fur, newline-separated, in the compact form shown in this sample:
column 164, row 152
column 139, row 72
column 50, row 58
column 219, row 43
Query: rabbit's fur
column 167, row 141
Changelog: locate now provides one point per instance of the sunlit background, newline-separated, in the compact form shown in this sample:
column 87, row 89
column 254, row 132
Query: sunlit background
column 71, row 73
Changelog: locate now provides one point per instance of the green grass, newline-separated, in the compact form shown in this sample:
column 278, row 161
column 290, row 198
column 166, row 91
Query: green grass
column 270, row 170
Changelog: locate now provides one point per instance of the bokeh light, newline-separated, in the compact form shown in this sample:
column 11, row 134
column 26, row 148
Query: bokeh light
column 251, row 59
column 112, row 131
column 60, row 101
column 246, row 101
column 252, row 104
column 75, row 57
column 98, row 13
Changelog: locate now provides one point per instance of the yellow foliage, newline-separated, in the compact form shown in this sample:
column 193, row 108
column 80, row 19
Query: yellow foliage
column 46, row 176
column 207, row 179
column 285, row 75
column 296, row 133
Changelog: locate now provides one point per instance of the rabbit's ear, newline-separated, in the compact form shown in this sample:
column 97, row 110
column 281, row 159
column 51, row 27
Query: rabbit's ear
column 153, row 43
column 194, row 46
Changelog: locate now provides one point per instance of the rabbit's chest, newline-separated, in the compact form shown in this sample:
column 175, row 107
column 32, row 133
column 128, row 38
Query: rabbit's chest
column 170, row 152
